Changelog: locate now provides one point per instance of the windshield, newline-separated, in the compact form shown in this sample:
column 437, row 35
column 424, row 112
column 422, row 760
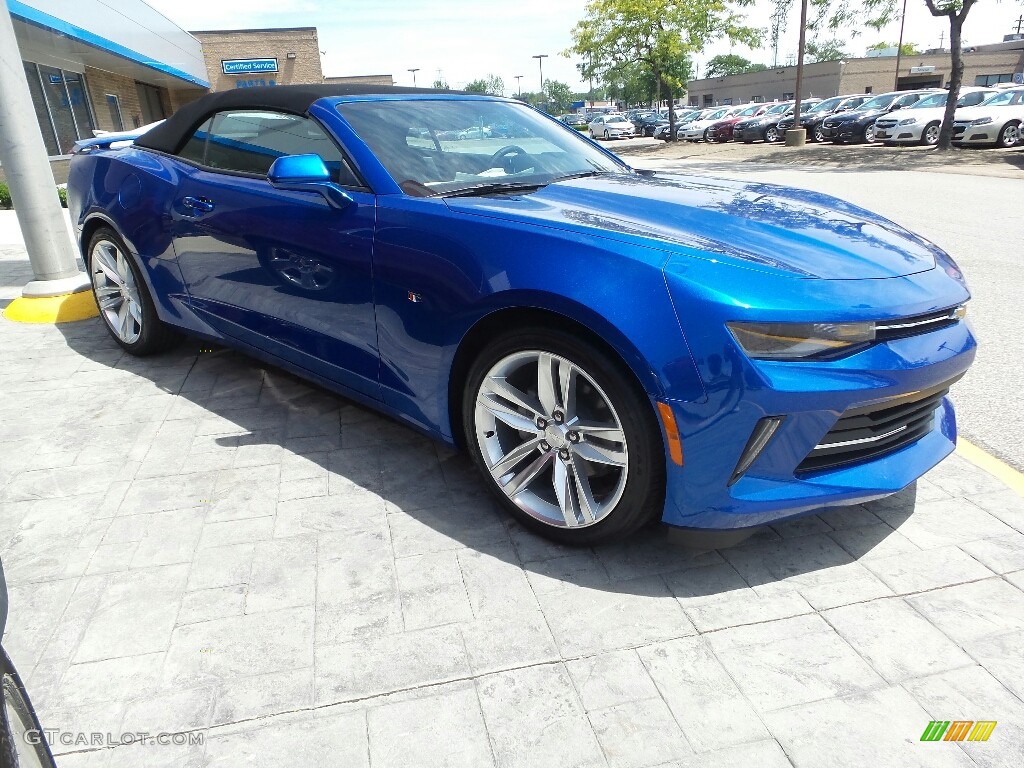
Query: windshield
column 717, row 115
column 935, row 100
column 750, row 110
column 779, row 108
column 1005, row 98
column 879, row 102
column 443, row 146
column 616, row 119
column 825, row 106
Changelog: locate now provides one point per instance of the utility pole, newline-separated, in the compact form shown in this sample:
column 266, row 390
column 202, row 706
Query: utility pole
column 414, row 70
column 899, row 48
column 519, row 84
column 23, row 155
column 796, row 136
column 1020, row 23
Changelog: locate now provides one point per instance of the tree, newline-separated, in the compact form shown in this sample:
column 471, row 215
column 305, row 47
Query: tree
column 441, row 84
column 826, row 50
column 558, row 95
column 659, row 35
column 491, row 84
column 907, row 49
column 956, row 11
column 731, row 64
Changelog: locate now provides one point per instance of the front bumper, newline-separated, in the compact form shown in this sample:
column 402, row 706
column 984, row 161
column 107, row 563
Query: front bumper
column 976, row 134
column 899, row 134
column 812, row 396
column 842, row 132
column 748, row 133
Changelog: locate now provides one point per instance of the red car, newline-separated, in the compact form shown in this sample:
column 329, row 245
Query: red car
column 722, row 130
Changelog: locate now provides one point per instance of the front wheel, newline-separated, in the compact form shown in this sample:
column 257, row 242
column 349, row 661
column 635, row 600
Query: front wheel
column 771, row 134
column 930, row 135
column 564, row 437
column 607, row 135
column 1009, row 136
column 123, row 299
column 869, row 134
column 818, row 134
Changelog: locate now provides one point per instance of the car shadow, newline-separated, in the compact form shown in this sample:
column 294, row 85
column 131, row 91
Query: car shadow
column 347, row 451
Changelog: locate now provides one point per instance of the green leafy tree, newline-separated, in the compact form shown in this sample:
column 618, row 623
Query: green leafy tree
column 441, row 84
column 907, row 49
column 731, row 64
column 558, row 95
column 825, row 50
column 661, row 36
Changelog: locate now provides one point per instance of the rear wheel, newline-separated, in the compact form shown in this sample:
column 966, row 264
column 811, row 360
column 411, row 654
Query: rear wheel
column 564, row 437
column 123, row 299
column 1009, row 136
column 930, row 135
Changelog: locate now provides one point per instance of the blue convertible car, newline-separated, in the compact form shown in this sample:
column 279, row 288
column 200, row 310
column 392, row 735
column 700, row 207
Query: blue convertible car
column 610, row 345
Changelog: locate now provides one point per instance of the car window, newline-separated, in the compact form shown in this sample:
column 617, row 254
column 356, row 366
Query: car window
column 879, row 102
column 935, row 100
column 906, row 101
column 827, row 105
column 248, row 141
column 1004, row 98
column 972, row 99
column 480, row 144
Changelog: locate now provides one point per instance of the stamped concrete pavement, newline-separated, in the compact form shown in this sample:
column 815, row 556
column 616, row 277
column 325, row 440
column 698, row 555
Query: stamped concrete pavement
column 200, row 545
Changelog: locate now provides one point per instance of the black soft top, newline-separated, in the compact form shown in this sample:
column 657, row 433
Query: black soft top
column 172, row 134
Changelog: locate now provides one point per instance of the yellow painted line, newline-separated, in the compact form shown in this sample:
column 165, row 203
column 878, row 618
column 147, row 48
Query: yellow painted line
column 986, row 461
column 54, row 309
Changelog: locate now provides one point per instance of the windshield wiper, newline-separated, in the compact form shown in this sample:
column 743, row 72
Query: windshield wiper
column 487, row 189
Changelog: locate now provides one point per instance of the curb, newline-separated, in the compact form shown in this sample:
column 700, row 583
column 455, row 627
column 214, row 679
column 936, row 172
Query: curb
column 996, row 467
column 68, row 308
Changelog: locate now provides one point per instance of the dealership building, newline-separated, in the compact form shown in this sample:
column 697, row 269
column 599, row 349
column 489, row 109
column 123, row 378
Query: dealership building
column 983, row 65
column 116, row 66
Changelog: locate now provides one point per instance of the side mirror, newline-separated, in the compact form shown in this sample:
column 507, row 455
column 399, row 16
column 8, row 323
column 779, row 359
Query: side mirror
column 307, row 173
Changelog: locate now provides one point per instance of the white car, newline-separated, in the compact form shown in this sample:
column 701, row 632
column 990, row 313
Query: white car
column 611, row 127
column 997, row 120
column 920, row 122
column 694, row 130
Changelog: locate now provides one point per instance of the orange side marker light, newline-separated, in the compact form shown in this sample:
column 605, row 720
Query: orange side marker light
column 675, row 445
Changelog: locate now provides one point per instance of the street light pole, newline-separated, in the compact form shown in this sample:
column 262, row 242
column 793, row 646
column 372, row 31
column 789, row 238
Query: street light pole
column 540, row 61
column 24, row 158
column 414, row 70
column 899, row 48
column 519, row 84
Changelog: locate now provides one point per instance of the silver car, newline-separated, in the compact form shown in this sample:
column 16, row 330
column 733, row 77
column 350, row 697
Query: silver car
column 612, row 126
column 920, row 122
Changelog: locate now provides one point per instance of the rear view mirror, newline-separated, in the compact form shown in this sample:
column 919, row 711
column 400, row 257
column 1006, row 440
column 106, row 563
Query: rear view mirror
column 307, row 173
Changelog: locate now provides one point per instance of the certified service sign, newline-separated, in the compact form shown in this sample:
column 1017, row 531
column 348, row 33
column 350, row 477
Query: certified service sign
column 248, row 66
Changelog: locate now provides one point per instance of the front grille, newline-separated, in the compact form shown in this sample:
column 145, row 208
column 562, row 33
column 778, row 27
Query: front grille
column 887, row 330
column 874, row 430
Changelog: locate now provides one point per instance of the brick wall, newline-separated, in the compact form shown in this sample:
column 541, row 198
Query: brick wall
column 100, row 84
column 304, row 69
column 820, row 80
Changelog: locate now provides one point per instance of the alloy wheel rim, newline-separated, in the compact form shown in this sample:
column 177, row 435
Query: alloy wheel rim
column 869, row 134
column 931, row 134
column 551, row 439
column 117, row 293
column 1011, row 134
column 771, row 135
column 818, row 135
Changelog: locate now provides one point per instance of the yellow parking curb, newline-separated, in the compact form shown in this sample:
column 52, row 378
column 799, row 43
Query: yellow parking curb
column 67, row 308
column 986, row 461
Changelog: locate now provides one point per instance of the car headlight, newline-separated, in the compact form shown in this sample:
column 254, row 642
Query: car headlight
column 981, row 121
column 908, row 121
column 797, row 341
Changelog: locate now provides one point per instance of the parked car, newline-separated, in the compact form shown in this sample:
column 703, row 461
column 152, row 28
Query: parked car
column 693, row 130
column 613, row 126
column 812, row 119
column 793, row 350
column 579, row 122
column 475, row 132
column 111, row 139
column 920, row 123
column 636, row 116
column 858, row 125
column 764, row 127
column 721, row 130
column 22, row 740
column 662, row 130
column 996, row 122
column 649, row 124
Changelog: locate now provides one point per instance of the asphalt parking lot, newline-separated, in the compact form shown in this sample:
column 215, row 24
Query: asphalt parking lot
column 198, row 544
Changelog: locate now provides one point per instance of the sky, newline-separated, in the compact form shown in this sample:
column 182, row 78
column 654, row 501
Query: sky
column 469, row 39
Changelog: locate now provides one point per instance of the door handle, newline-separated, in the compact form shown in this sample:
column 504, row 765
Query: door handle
column 198, row 204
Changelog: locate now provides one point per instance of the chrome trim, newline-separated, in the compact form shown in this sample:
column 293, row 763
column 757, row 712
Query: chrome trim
column 951, row 315
column 862, row 440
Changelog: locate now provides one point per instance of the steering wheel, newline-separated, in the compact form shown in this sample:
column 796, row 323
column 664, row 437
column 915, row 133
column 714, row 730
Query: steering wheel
column 505, row 154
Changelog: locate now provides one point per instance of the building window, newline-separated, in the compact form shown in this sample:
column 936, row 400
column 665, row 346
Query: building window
column 114, row 107
column 993, row 79
column 757, row 99
column 708, row 100
column 727, row 102
column 61, row 105
column 787, row 96
column 869, row 88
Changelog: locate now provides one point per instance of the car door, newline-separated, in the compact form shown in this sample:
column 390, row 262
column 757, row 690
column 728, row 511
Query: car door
column 279, row 270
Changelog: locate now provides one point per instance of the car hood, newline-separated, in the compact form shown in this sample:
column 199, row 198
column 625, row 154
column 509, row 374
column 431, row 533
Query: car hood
column 854, row 115
column 973, row 113
column 921, row 115
column 757, row 226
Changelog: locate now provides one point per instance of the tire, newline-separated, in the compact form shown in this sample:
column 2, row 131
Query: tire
column 607, row 135
column 1009, row 135
column 17, row 722
column 117, row 282
column 771, row 134
column 817, row 135
column 869, row 134
column 625, row 486
column 930, row 134
column 707, row 136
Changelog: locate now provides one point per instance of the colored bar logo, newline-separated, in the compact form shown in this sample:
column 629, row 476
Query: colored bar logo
column 958, row 730
column 248, row 66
